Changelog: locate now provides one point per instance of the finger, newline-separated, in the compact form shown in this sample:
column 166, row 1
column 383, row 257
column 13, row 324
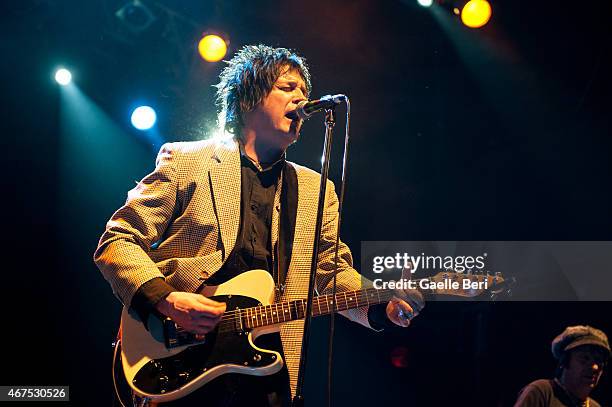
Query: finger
column 210, row 302
column 212, row 310
column 405, row 311
column 400, row 317
column 397, row 314
column 205, row 325
column 208, row 324
column 200, row 331
column 413, row 297
column 204, row 312
column 407, row 271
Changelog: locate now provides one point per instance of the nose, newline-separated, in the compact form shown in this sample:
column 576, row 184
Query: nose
column 596, row 367
column 298, row 96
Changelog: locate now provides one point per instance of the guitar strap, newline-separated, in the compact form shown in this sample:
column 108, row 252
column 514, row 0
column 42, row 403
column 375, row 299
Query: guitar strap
column 288, row 214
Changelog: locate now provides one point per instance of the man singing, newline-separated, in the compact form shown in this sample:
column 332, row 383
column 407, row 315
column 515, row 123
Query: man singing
column 214, row 209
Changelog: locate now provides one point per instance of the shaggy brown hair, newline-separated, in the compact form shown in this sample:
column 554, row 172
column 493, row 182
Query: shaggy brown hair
column 249, row 77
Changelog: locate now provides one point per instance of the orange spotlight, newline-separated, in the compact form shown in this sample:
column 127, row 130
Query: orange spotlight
column 212, row 48
column 476, row 13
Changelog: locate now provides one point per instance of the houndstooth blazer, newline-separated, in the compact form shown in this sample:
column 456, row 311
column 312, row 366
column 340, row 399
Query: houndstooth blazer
column 181, row 223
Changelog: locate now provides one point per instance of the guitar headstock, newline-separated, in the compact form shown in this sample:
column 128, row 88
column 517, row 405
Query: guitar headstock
column 468, row 285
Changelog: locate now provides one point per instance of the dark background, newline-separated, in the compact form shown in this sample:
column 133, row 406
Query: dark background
column 501, row 133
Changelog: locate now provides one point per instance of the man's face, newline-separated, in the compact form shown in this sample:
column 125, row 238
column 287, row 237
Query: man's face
column 269, row 118
column 584, row 368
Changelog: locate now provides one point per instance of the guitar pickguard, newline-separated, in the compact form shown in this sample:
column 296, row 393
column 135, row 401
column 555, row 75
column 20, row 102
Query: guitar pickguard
column 222, row 352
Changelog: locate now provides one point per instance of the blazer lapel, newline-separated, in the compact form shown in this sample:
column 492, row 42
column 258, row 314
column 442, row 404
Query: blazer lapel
column 225, row 189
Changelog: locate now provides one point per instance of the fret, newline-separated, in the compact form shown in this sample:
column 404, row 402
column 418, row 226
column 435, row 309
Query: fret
column 373, row 296
column 301, row 307
column 294, row 314
column 275, row 313
column 319, row 305
column 347, row 302
column 259, row 316
column 240, row 321
column 254, row 317
column 296, row 311
column 366, row 295
column 359, row 302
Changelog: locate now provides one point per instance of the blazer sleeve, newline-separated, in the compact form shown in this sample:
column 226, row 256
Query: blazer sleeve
column 122, row 254
column 347, row 277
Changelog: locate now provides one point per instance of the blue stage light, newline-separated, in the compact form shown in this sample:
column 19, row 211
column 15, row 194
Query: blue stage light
column 143, row 117
column 63, row 76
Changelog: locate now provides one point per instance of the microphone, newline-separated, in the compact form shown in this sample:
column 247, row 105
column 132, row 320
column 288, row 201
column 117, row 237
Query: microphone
column 305, row 109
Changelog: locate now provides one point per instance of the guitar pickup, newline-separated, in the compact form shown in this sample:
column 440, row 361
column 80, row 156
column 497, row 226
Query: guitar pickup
column 170, row 333
column 175, row 336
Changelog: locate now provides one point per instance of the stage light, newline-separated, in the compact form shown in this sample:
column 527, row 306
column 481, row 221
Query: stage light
column 425, row 3
column 136, row 16
column 63, row 76
column 476, row 13
column 143, row 117
column 212, row 48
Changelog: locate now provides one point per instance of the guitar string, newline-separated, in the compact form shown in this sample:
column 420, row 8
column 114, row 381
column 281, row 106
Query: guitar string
column 320, row 299
column 267, row 312
column 361, row 294
column 296, row 308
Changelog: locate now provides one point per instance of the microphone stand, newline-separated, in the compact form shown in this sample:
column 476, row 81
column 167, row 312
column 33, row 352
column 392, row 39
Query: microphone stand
column 330, row 121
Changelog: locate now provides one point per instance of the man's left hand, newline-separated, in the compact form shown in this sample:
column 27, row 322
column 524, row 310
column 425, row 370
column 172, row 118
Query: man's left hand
column 405, row 305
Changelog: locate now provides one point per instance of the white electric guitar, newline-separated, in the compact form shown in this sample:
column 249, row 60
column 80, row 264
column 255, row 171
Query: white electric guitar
column 166, row 362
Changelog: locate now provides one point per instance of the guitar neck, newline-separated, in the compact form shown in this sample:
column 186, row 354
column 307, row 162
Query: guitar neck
column 321, row 305
column 243, row 319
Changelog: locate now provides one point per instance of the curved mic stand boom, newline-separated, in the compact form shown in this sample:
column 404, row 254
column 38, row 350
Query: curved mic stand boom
column 330, row 121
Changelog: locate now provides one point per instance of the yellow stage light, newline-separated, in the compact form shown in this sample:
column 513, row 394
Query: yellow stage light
column 476, row 13
column 212, row 48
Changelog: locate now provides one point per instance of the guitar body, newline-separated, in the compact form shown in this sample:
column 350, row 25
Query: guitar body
column 162, row 374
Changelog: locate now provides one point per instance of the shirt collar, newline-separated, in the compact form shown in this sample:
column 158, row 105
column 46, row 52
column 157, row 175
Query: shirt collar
column 261, row 166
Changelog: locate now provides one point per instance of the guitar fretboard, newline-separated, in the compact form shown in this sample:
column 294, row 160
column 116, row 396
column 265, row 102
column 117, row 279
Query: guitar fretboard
column 264, row 315
column 242, row 320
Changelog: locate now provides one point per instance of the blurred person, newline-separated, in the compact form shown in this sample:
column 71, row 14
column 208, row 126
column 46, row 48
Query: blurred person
column 582, row 353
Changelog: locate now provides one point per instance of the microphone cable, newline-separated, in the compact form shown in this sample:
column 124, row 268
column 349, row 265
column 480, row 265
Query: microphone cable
column 332, row 325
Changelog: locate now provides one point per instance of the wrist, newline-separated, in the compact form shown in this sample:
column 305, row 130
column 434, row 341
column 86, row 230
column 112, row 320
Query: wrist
column 163, row 304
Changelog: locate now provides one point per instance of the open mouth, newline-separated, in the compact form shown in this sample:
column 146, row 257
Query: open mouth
column 292, row 115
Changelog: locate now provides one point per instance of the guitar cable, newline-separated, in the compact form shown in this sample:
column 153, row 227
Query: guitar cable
column 115, row 351
column 332, row 326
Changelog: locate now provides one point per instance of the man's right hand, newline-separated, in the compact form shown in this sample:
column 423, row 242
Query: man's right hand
column 193, row 312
